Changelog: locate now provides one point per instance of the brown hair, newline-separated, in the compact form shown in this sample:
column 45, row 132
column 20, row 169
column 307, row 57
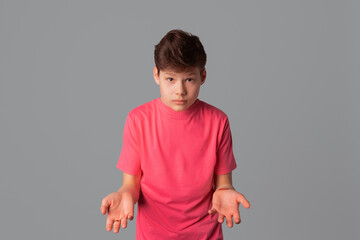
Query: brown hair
column 179, row 50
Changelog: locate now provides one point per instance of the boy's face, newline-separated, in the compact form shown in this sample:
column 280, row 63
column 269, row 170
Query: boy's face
column 179, row 86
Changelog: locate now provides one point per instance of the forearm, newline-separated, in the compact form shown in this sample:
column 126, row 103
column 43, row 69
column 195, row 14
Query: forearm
column 223, row 181
column 133, row 190
column 131, row 184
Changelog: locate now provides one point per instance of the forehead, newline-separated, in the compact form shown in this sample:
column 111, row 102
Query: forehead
column 188, row 72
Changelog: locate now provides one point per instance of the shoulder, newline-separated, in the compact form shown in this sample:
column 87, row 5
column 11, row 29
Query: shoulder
column 142, row 111
column 214, row 113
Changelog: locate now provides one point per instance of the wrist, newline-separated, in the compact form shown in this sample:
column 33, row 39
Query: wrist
column 133, row 191
column 225, row 187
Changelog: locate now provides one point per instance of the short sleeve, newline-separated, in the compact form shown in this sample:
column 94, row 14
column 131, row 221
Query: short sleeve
column 225, row 160
column 129, row 160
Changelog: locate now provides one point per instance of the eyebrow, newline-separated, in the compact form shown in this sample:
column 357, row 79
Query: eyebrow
column 171, row 74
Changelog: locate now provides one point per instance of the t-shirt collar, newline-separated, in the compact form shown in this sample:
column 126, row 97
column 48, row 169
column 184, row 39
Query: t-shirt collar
column 178, row 114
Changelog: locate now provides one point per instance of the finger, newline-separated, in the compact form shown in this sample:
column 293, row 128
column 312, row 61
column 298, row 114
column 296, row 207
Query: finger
column 241, row 199
column 124, row 222
column 221, row 218
column 104, row 206
column 229, row 221
column 212, row 211
column 109, row 224
column 237, row 218
column 130, row 213
column 116, row 226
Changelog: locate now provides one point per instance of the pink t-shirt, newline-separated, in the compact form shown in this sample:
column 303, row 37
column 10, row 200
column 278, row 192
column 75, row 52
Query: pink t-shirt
column 177, row 153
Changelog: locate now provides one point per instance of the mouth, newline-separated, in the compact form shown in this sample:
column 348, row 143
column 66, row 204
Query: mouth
column 180, row 101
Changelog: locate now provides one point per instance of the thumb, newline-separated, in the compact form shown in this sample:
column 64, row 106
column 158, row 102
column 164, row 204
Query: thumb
column 104, row 206
column 241, row 199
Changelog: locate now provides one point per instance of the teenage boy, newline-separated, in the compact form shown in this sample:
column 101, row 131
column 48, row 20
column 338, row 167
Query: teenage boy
column 177, row 156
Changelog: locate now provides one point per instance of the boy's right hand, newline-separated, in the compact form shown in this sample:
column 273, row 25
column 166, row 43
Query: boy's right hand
column 120, row 207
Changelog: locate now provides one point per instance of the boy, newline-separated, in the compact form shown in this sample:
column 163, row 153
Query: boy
column 177, row 154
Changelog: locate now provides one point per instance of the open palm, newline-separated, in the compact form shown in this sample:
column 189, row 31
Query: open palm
column 226, row 204
column 120, row 206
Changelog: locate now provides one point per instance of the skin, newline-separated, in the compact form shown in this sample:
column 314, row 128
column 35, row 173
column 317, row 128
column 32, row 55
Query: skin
column 226, row 202
column 120, row 205
column 179, row 86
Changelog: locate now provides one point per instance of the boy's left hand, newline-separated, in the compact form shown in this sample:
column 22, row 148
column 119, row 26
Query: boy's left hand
column 226, row 204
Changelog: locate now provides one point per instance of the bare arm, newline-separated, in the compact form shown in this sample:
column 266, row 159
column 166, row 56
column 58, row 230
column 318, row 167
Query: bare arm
column 120, row 205
column 131, row 183
column 226, row 200
column 223, row 181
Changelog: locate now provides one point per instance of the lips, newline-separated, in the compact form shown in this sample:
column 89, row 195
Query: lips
column 180, row 102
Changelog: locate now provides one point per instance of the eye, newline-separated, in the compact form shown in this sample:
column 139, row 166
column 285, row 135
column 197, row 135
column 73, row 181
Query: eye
column 189, row 79
column 169, row 79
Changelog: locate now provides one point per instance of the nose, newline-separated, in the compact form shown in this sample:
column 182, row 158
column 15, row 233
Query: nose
column 180, row 88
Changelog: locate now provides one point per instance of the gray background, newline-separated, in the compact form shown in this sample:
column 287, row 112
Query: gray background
column 286, row 73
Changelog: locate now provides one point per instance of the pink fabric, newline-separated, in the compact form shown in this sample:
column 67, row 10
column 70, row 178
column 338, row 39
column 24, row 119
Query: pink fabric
column 177, row 153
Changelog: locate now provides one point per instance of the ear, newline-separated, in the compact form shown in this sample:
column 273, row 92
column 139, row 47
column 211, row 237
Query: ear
column 156, row 76
column 203, row 76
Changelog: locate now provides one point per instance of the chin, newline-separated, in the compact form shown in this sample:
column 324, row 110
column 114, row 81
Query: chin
column 177, row 108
